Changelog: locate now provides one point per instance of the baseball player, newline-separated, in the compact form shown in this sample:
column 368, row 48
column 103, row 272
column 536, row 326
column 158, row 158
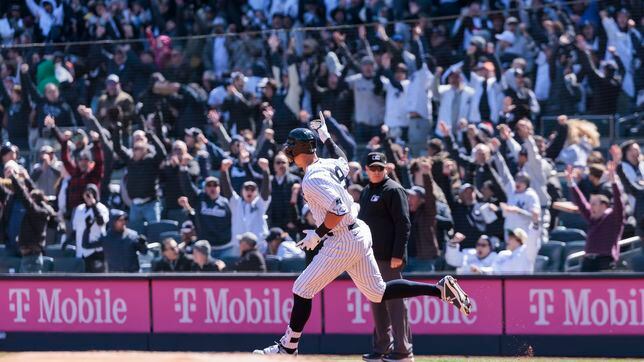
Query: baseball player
column 347, row 240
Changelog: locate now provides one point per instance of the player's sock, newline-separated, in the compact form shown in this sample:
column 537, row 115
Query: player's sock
column 402, row 288
column 299, row 316
column 290, row 340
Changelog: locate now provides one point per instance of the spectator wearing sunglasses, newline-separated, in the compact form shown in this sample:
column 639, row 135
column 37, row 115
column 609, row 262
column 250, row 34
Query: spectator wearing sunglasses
column 211, row 214
column 466, row 261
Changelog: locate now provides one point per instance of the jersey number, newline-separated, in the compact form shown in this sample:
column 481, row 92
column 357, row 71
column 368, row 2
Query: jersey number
column 338, row 175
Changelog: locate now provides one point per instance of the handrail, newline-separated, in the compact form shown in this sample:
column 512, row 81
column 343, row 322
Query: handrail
column 625, row 245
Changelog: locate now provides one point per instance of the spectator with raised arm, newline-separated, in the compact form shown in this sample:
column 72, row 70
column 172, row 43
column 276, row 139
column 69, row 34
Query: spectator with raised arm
column 605, row 223
column 470, row 260
column 142, row 164
column 212, row 215
column 88, row 170
column 248, row 210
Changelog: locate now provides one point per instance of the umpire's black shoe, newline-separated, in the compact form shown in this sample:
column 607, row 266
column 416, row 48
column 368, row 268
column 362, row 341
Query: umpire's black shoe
column 372, row 357
column 398, row 357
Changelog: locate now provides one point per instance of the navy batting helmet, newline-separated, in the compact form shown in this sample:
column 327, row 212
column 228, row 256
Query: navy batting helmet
column 299, row 140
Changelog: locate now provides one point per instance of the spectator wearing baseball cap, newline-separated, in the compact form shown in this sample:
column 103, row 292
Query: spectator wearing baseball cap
column 47, row 173
column 120, row 244
column 249, row 208
column 188, row 235
column 369, row 107
column 251, row 259
column 210, row 213
column 115, row 97
column 470, row 260
column 280, row 244
column 201, row 259
column 520, row 254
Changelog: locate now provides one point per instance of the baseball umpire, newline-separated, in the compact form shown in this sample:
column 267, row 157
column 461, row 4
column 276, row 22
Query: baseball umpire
column 384, row 208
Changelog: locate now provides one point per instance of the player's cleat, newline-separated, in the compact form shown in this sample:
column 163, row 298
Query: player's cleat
column 452, row 293
column 398, row 357
column 372, row 357
column 277, row 348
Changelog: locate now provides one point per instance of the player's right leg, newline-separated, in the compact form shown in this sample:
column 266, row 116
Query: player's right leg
column 328, row 264
column 366, row 275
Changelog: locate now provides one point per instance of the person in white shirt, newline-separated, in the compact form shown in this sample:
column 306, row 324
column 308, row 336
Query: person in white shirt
column 249, row 209
column 523, row 201
column 281, row 245
column 456, row 100
column 521, row 253
column 395, row 87
column 48, row 14
column 467, row 261
column 89, row 222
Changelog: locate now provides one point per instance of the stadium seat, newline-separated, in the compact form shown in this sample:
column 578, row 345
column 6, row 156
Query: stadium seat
column 170, row 234
column 292, row 265
column 573, row 221
column 230, row 262
column 69, row 265
column 573, row 247
column 3, row 250
column 567, row 234
column 56, row 251
column 154, row 230
column 541, row 264
column 177, row 215
column 272, row 263
column 554, row 251
column 9, row 264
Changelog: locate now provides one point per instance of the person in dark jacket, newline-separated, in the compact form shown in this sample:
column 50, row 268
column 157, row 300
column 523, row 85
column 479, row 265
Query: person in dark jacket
column 606, row 84
column 212, row 215
column 251, row 260
column 384, row 208
column 120, row 244
column 201, row 259
column 38, row 216
column 240, row 104
column 17, row 108
column 88, row 169
column 142, row 176
column 170, row 179
column 282, row 212
column 50, row 105
column 172, row 259
column 423, row 242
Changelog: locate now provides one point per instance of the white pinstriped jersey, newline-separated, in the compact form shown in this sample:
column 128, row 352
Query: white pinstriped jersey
column 324, row 188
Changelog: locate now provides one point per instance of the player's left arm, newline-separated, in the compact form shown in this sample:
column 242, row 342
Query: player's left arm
column 319, row 125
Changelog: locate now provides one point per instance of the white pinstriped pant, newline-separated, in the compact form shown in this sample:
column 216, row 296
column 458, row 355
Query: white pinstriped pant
column 347, row 250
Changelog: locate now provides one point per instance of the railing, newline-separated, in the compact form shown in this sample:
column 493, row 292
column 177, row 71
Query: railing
column 627, row 248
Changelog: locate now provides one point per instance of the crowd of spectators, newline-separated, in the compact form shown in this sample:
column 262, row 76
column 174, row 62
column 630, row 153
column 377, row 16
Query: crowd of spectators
column 120, row 115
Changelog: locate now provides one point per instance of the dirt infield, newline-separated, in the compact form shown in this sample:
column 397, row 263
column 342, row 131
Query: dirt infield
column 105, row 356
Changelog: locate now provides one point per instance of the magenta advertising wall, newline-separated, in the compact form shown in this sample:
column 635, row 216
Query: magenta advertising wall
column 579, row 306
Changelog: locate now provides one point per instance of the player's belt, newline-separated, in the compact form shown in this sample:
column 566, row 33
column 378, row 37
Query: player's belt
column 350, row 227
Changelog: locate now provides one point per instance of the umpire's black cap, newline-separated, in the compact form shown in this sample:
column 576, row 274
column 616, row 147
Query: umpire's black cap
column 299, row 140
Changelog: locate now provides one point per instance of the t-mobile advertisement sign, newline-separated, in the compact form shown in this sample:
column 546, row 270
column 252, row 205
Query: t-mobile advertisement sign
column 600, row 306
column 348, row 311
column 74, row 306
column 221, row 306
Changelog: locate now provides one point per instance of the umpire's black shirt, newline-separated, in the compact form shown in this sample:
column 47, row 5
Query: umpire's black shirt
column 384, row 208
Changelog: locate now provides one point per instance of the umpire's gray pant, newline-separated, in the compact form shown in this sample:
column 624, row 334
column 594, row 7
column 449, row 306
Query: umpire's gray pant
column 391, row 325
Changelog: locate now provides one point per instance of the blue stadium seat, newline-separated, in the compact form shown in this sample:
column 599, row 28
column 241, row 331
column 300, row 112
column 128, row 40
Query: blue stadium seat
column 69, row 265
column 554, row 251
column 573, row 221
column 154, row 230
column 272, row 263
column 170, row 234
column 541, row 264
column 9, row 264
column 56, row 251
column 573, row 247
column 567, row 234
column 3, row 250
column 292, row 265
